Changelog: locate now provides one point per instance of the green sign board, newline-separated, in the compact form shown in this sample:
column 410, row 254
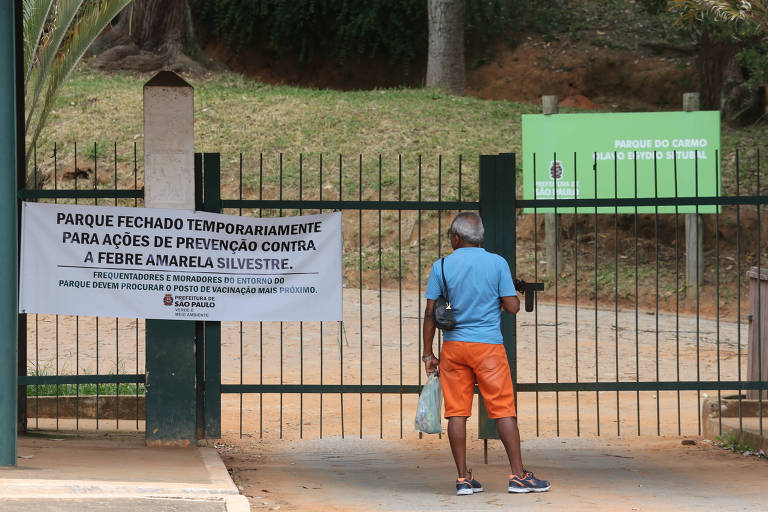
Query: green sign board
column 605, row 156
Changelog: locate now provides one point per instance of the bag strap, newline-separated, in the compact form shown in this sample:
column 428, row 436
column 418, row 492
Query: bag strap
column 445, row 284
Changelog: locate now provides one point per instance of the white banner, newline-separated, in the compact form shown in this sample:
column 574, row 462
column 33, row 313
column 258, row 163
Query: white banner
column 179, row 265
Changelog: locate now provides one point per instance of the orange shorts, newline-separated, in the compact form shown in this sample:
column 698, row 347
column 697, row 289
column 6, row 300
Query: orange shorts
column 461, row 363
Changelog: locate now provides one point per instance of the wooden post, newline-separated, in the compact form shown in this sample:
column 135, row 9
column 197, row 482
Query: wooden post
column 691, row 101
column 757, row 344
column 694, row 244
column 552, row 246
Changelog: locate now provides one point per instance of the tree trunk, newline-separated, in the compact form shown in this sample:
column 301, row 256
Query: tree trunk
column 150, row 35
column 445, row 57
column 714, row 58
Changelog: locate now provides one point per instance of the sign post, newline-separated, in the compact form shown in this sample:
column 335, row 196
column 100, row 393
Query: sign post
column 553, row 246
column 694, row 244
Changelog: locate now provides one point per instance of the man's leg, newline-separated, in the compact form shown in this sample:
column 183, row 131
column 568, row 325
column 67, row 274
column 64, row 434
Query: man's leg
column 510, row 437
column 457, row 436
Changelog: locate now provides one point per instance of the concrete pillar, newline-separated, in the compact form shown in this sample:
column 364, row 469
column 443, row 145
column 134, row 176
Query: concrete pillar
column 553, row 249
column 169, row 182
column 9, row 24
column 694, row 243
column 169, row 142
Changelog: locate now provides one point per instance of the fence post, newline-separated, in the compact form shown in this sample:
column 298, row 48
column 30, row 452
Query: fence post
column 552, row 245
column 694, row 244
column 21, row 183
column 9, row 38
column 497, row 209
column 169, row 183
column 212, row 330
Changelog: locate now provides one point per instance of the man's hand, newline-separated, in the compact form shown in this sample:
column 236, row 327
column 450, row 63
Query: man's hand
column 428, row 333
column 432, row 364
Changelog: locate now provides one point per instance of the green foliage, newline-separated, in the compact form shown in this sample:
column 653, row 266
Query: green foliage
column 34, row 390
column 314, row 28
column 88, row 389
column 731, row 441
column 342, row 29
column 654, row 6
column 755, row 61
column 743, row 23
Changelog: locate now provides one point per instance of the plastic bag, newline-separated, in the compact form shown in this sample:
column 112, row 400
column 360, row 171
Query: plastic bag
column 429, row 407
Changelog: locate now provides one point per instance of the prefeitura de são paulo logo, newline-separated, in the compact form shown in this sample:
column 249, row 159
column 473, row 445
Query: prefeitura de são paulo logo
column 556, row 169
column 168, row 300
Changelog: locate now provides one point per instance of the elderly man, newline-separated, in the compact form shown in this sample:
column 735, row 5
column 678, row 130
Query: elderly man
column 479, row 286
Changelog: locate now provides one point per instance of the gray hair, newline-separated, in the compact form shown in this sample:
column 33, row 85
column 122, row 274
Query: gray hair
column 469, row 226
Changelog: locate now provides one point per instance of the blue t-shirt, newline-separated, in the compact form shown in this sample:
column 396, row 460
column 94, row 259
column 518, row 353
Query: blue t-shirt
column 477, row 279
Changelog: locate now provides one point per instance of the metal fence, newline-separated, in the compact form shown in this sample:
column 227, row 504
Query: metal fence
column 624, row 343
column 359, row 377
column 82, row 372
column 617, row 344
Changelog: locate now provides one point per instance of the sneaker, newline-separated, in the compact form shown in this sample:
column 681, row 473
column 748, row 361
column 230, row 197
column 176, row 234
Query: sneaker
column 528, row 483
column 476, row 486
column 463, row 487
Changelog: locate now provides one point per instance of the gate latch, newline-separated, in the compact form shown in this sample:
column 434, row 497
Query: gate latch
column 529, row 290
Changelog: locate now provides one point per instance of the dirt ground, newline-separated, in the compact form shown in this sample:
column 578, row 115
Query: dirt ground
column 378, row 343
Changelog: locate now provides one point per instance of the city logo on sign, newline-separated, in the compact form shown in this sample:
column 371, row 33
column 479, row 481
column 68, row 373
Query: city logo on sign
column 168, row 300
column 556, row 169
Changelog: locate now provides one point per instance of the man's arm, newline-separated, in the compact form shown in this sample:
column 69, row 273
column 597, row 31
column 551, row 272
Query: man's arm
column 510, row 304
column 428, row 335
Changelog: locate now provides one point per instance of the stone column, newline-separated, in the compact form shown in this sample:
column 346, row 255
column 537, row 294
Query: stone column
column 169, row 143
column 169, row 182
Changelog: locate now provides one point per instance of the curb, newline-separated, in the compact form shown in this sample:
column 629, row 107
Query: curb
column 220, row 487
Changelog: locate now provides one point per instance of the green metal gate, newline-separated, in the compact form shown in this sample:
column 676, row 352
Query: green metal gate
column 586, row 361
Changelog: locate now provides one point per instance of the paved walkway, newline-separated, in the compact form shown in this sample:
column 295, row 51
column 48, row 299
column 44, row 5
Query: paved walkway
column 108, row 472
column 594, row 474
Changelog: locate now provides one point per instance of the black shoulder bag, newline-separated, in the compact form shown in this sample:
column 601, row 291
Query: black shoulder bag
column 443, row 313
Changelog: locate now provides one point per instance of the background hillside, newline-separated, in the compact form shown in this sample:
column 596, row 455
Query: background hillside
column 615, row 53
column 273, row 121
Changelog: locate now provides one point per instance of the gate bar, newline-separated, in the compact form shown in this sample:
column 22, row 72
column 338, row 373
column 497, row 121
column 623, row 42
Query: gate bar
column 348, row 204
column 212, row 330
column 520, row 387
column 122, row 378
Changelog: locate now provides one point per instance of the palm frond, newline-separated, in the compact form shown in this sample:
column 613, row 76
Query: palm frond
column 66, row 13
column 725, row 10
column 35, row 13
column 89, row 24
